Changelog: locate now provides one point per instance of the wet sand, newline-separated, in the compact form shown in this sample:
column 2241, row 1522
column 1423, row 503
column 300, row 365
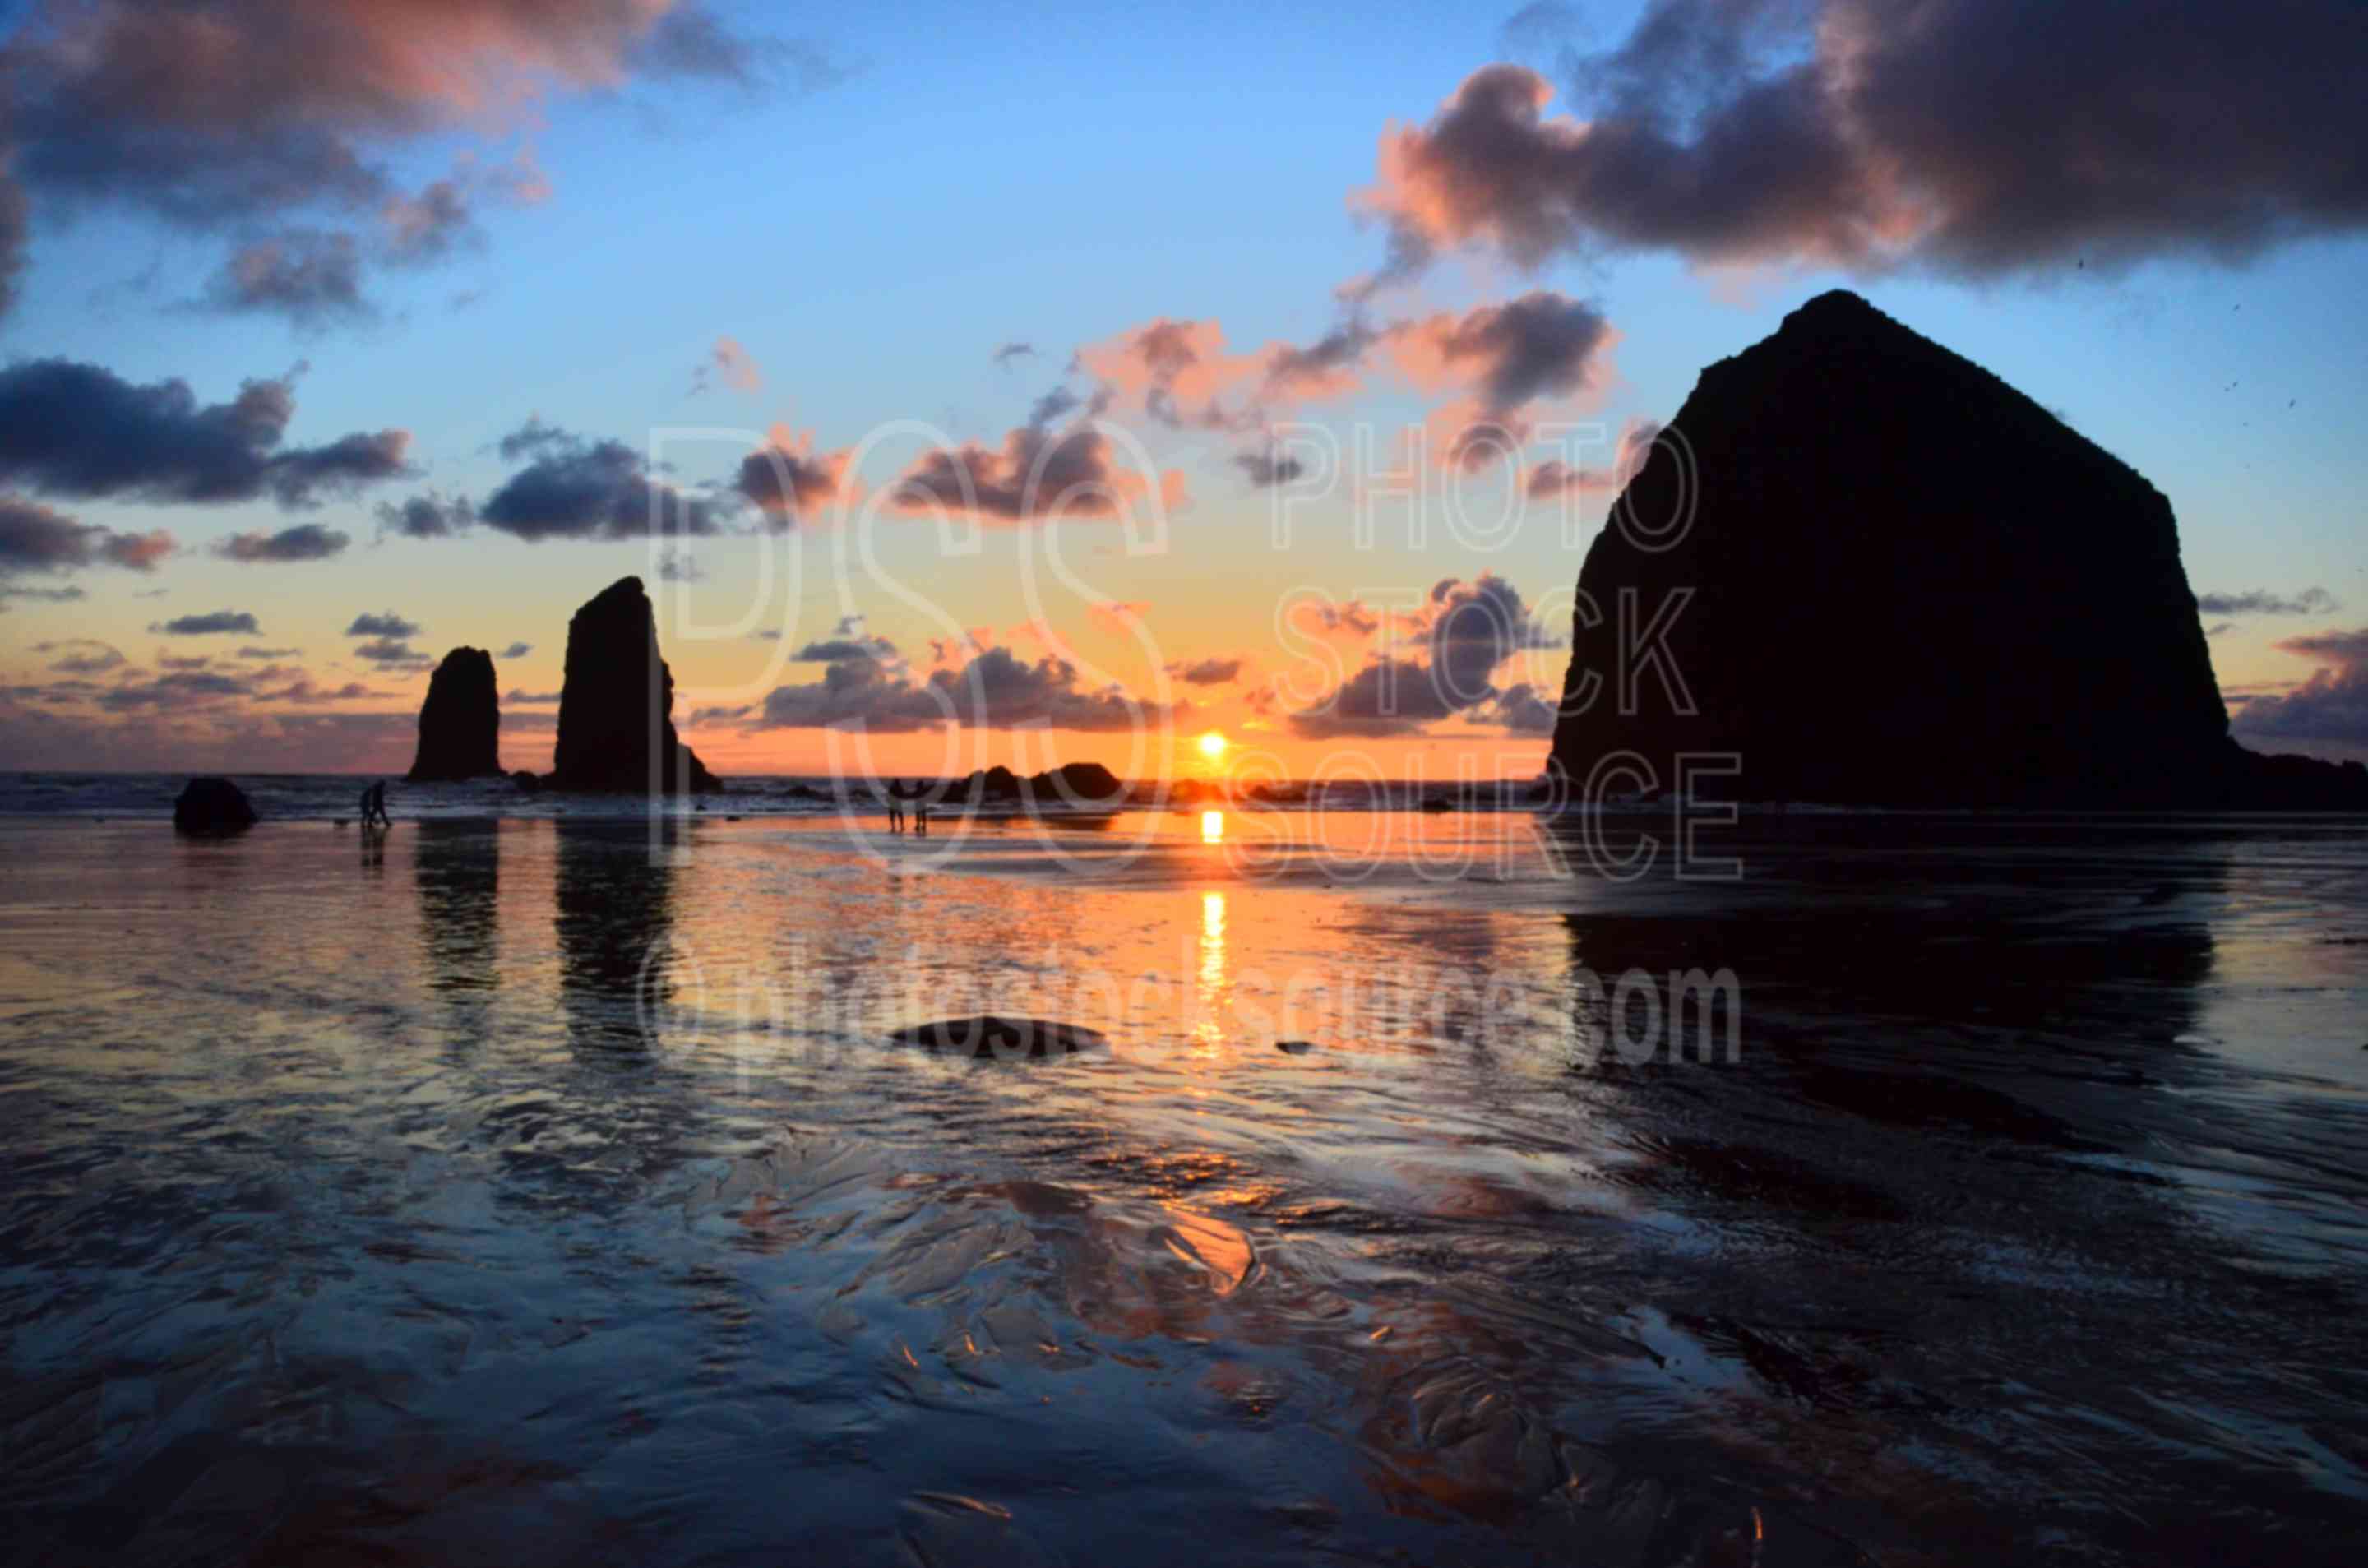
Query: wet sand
column 536, row 1191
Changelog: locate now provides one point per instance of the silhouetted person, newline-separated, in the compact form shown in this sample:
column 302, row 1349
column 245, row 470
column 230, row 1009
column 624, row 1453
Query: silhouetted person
column 920, row 798
column 368, row 790
column 895, row 805
column 374, row 806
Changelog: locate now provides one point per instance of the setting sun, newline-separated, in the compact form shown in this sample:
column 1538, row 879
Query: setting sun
column 1212, row 745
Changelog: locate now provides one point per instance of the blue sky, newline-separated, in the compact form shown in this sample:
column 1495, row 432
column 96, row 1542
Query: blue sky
column 978, row 175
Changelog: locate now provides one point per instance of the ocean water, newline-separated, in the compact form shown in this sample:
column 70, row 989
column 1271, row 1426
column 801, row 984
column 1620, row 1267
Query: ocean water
column 526, row 1191
column 325, row 797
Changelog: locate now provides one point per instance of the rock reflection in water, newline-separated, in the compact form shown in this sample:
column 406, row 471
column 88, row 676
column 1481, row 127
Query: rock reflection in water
column 456, row 867
column 618, row 959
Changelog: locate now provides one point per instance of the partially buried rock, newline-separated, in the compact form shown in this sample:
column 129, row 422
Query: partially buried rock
column 1294, row 1047
column 990, row 1035
column 616, row 703
column 212, row 805
column 460, row 723
column 526, row 779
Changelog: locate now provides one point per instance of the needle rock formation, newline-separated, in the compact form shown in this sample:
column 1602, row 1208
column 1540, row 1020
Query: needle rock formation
column 616, row 704
column 460, row 723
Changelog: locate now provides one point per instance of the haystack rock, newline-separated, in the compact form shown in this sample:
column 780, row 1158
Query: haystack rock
column 1910, row 586
column 460, row 723
column 616, row 703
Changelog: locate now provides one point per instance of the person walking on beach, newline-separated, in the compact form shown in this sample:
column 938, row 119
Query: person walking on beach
column 374, row 806
column 370, row 792
column 920, row 798
column 895, row 805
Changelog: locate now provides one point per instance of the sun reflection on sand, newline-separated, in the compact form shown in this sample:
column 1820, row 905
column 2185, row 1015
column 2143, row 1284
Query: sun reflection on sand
column 1210, row 1004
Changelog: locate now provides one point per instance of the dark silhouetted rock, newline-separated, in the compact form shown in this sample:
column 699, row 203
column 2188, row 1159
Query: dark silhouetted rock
column 990, row 1035
column 526, row 779
column 1071, row 784
column 1294, row 1047
column 212, row 805
column 1911, row 585
column 460, row 723
column 616, row 704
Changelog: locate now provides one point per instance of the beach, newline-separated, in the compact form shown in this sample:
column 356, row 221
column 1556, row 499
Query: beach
column 520, row 1190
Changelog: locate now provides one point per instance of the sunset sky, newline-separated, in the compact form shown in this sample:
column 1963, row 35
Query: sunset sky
column 341, row 335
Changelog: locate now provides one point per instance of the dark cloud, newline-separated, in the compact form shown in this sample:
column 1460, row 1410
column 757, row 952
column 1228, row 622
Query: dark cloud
column 1524, row 710
column 1266, row 468
column 13, row 239
column 1317, row 370
column 995, row 690
column 1555, row 477
column 393, row 651
column 1328, row 618
column 2331, row 708
column 1962, row 135
column 301, row 689
column 521, row 699
column 676, row 567
column 209, row 624
column 176, row 689
column 244, row 114
column 1473, row 628
column 2310, row 601
column 76, row 430
column 1038, row 475
column 426, row 516
column 305, row 541
column 1543, row 345
column 81, row 655
column 252, row 652
column 311, row 276
column 1005, row 354
column 787, row 481
column 1466, row 630
column 429, row 226
column 534, row 439
column 1208, row 672
column 1388, row 697
column 832, row 650
column 517, row 651
column 1054, row 406
column 35, row 539
column 387, row 624
column 578, row 488
column 39, row 596
column 299, row 477
column 692, row 42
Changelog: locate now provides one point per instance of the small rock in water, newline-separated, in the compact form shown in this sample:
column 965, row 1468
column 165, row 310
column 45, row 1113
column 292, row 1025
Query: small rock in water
column 1294, row 1047
column 990, row 1035
column 212, row 805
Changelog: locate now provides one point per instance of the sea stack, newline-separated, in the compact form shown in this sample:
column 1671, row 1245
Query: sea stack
column 460, row 723
column 212, row 806
column 1910, row 586
column 616, row 703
